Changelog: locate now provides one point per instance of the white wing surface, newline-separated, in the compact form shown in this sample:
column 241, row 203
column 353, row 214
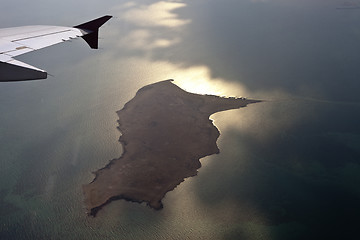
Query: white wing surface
column 20, row 40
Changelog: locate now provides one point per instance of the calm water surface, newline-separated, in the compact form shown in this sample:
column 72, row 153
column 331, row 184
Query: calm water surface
column 288, row 168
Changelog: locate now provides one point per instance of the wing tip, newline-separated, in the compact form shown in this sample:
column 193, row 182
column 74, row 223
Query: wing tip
column 95, row 24
column 14, row 72
column 92, row 38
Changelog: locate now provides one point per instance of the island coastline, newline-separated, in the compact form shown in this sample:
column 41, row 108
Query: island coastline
column 165, row 132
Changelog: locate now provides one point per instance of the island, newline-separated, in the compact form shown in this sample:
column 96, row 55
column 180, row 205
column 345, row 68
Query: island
column 165, row 132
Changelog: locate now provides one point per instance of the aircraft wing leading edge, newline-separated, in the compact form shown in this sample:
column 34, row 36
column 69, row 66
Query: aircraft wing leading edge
column 19, row 40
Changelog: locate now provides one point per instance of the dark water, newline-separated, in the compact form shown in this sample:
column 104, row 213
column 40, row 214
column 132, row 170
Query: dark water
column 288, row 168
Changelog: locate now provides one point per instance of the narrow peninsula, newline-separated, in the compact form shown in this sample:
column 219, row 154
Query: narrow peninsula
column 165, row 131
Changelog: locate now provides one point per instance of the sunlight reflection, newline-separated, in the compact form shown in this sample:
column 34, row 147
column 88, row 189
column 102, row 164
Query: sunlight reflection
column 263, row 121
column 124, row 76
column 198, row 80
column 211, row 220
column 155, row 25
column 156, row 14
column 144, row 40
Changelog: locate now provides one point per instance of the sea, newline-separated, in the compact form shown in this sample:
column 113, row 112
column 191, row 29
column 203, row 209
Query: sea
column 288, row 167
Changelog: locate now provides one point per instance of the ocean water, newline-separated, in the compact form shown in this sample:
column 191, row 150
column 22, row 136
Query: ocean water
column 288, row 168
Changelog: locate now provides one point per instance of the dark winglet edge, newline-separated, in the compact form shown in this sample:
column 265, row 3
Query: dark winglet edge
column 93, row 28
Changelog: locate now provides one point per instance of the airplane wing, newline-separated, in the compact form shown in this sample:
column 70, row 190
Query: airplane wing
column 20, row 40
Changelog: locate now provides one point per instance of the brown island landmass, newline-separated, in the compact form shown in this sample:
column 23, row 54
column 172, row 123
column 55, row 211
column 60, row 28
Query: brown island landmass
column 165, row 131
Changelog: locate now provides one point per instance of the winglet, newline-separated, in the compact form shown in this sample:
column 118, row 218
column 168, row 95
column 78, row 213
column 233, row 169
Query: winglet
column 93, row 28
